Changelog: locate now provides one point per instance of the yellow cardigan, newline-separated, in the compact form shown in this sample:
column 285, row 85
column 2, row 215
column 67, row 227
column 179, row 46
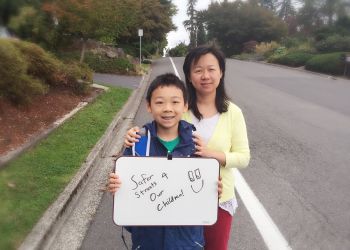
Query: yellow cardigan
column 230, row 137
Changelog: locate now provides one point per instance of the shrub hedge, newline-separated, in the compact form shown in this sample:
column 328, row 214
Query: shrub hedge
column 101, row 63
column 27, row 70
column 293, row 59
column 15, row 84
column 334, row 43
column 77, row 76
column 331, row 63
column 41, row 64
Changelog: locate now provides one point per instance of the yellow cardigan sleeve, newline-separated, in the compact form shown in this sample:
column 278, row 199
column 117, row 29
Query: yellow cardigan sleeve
column 239, row 154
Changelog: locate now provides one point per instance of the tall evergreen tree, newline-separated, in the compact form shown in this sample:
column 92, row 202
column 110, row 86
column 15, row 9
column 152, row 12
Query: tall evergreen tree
column 201, row 31
column 191, row 23
column 269, row 4
column 286, row 9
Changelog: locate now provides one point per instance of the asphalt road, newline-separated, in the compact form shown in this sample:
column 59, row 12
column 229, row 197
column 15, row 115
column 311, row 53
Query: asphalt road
column 299, row 132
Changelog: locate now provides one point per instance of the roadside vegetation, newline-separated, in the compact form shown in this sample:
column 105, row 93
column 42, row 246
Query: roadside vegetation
column 72, row 25
column 314, row 34
column 32, row 182
column 27, row 70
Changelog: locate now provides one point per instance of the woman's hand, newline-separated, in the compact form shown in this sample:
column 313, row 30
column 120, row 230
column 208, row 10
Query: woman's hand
column 203, row 151
column 220, row 187
column 114, row 183
column 132, row 137
column 201, row 148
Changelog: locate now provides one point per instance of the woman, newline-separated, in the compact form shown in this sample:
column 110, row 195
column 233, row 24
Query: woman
column 221, row 132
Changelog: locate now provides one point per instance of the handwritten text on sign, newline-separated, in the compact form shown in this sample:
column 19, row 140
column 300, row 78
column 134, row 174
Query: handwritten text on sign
column 158, row 191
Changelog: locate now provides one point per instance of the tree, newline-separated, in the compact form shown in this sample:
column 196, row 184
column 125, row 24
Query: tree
column 112, row 21
column 269, row 4
column 287, row 13
column 315, row 14
column 191, row 23
column 286, row 9
column 333, row 9
column 80, row 18
column 309, row 16
column 154, row 17
column 156, row 21
column 201, row 31
column 9, row 8
column 231, row 24
column 179, row 50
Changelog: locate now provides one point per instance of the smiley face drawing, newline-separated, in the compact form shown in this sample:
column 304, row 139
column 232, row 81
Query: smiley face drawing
column 195, row 177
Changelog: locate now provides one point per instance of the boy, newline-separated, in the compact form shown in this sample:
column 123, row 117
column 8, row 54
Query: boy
column 166, row 101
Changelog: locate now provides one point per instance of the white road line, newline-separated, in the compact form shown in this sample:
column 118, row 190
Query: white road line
column 174, row 67
column 268, row 230
column 272, row 236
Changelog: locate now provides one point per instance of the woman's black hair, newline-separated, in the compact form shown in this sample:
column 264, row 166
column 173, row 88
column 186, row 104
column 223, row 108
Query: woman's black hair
column 221, row 99
column 167, row 79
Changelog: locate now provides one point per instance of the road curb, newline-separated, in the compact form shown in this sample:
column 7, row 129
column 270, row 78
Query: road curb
column 51, row 222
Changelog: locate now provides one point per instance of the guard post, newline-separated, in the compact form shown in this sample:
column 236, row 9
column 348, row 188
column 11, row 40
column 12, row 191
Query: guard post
column 140, row 35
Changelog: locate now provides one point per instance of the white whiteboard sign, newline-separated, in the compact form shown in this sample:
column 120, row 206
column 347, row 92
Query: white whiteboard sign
column 158, row 191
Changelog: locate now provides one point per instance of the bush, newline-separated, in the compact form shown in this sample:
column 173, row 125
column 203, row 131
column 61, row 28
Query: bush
column 179, row 50
column 304, row 48
column 249, row 47
column 332, row 63
column 101, row 63
column 290, row 42
column 77, row 77
column 248, row 57
column 15, row 84
column 335, row 43
column 293, row 59
column 41, row 64
column 27, row 70
column 266, row 49
column 104, row 64
column 279, row 52
column 24, row 23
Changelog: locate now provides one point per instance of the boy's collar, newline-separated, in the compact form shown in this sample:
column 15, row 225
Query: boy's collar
column 185, row 129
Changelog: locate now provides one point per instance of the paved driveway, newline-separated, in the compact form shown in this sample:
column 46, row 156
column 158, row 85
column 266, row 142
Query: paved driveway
column 131, row 82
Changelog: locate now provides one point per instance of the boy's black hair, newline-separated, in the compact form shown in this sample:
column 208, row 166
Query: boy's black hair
column 221, row 99
column 167, row 79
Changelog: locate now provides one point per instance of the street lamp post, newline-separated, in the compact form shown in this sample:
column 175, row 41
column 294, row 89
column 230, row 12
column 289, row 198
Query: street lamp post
column 140, row 35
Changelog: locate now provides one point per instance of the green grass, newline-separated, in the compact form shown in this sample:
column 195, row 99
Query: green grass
column 32, row 182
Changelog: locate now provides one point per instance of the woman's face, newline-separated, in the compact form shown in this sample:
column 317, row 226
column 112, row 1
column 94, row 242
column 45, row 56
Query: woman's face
column 206, row 74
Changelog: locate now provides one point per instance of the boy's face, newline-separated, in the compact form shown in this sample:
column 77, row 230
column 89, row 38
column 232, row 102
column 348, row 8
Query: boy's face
column 167, row 106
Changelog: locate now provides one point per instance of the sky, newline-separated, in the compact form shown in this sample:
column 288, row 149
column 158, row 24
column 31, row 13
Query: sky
column 181, row 35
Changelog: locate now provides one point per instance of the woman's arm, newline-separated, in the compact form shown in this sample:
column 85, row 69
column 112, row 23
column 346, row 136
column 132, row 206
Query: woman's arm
column 239, row 154
column 203, row 151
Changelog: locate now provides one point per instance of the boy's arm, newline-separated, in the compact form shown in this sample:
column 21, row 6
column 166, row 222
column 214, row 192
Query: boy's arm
column 127, row 151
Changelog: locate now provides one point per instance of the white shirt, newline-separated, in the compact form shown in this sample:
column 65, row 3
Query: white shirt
column 205, row 128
